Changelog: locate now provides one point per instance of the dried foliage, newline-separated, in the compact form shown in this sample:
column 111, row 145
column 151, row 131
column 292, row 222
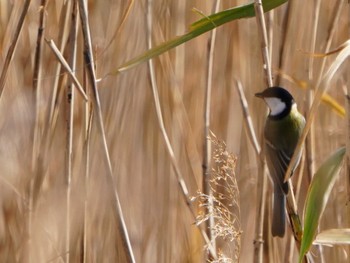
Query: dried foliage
column 50, row 212
column 226, row 203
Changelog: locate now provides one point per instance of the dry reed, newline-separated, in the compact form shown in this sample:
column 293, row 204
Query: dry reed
column 122, row 125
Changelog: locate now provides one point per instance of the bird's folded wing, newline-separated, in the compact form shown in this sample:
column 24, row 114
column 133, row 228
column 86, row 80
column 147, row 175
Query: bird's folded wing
column 277, row 162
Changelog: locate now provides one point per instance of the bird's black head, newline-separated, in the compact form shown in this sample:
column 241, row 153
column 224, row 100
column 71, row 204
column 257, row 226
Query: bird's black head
column 279, row 100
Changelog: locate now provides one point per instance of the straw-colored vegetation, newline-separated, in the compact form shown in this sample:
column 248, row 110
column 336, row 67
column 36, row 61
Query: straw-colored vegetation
column 114, row 178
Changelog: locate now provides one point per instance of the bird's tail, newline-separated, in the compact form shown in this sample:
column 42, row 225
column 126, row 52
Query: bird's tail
column 279, row 217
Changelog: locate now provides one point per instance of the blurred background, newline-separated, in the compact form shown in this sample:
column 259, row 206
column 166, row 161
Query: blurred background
column 34, row 114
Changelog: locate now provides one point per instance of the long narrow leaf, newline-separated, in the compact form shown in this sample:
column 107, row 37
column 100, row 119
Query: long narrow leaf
column 200, row 27
column 317, row 198
column 332, row 237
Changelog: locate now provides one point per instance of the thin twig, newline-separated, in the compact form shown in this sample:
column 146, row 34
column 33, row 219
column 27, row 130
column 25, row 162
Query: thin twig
column 66, row 66
column 62, row 40
column 13, row 45
column 89, row 63
column 174, row 162
column 247, row 119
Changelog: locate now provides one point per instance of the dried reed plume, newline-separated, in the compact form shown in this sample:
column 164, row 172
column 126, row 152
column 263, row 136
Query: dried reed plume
column 226, row 204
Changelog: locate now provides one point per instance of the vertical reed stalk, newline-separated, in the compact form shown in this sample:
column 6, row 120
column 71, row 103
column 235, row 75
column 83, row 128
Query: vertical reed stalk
column 182, row 184
column 89, row 63
column 261, row 207
column 285, row 31
column 209, row 224
column 262, row 184
column 261, row 25
column 309, row 146
column 37, row 76
column 310, row 141
column 88, row 116
column 62, row 40
column 262, row 177
column 313, row 37
column 12, row 48
column 70, row 96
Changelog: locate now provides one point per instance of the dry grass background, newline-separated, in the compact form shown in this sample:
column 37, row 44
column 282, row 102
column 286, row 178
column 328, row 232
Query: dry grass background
column 159, row 223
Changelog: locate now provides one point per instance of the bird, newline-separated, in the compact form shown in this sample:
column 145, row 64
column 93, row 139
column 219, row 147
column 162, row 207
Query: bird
column 283, row 128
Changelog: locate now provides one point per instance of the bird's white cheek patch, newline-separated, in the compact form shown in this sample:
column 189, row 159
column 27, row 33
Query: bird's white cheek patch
column 276, row 106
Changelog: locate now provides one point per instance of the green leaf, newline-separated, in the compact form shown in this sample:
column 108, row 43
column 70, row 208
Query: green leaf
column 332, row 237
column 317, row 198
column 200, row 27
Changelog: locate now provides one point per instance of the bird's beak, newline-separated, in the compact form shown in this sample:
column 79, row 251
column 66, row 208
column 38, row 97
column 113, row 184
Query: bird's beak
column 259, row 95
